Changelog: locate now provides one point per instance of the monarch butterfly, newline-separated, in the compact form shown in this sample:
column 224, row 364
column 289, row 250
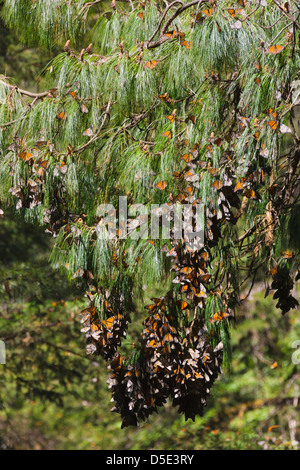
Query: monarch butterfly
column 182, row 304
column 186, row 44
column 89, row 132
column 164, row 248
column 171, row 117
column 209, row 12
column 63, row 167
column 275, row 49
column 204, row 255
column 151, row 64
column 239, row 186
column 108, row 323
column 197, row 16
column 218, row 316
column 165, row 97
column 217, row 184
column 26, row 156
column 172, row 252
column 252, row 194
column 236, row 25
column 87, row 274
column 271, row 112
column 233, row 12
column 243, row 122
column 161, row 185
column 285, row 129
column 273, row 124
column 39, row 144
column 95, row 327
column 42, row 165
column 168, row 337
column 154, row 344
column 205, row 277
column 117, row 362
column 187, row 157
column 171, row 34
column 201, row 294
column 62, row 115
column 191, row 176
column 83, row 108
column 167, row 134
column 192, row 118
column 186, row 270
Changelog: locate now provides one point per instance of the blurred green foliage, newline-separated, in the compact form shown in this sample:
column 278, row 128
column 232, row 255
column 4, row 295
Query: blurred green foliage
column 21, row 62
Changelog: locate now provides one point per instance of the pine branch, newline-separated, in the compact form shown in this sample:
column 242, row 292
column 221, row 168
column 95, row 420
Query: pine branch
column 179, row 11
column 25, row 92
column 163, row 17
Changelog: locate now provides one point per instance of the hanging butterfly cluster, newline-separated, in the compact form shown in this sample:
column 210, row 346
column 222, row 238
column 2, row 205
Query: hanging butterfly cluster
column 168, row 367
column 283, row 284
column 175, row 357
column 103, row 337
column 174, row 361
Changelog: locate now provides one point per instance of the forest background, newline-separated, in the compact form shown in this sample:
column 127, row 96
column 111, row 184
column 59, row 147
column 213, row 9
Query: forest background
column 53, row 396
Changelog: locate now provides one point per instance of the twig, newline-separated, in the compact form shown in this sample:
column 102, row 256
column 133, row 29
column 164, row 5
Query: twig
column 179, row 11
column 30, row 105
column 251, row 230
column 271, row 26
column 25, row 92
column 281, row 31
column 104, row 115
column 284, row 12
column 163, row 17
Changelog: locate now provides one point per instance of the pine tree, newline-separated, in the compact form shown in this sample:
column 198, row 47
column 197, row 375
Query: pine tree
column 167, row 103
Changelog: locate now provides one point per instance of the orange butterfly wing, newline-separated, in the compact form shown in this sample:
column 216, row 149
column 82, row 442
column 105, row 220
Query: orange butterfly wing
column 275, row 49
column 151, row 64
column 167, row 134
column 161, row 185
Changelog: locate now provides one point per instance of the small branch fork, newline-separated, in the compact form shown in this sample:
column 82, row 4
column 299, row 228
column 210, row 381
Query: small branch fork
column 35, row 96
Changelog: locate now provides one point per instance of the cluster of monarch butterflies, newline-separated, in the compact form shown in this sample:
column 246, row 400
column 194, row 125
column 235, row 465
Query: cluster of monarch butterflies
column 174, row 362
column 103, row 337
column 283, row 284
column 30, row 193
